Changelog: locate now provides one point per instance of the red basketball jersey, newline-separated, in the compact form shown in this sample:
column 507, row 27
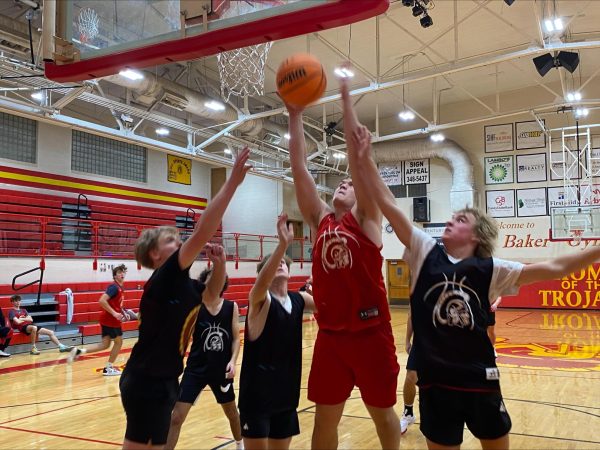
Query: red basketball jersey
column 115, row 300
column 348, row 284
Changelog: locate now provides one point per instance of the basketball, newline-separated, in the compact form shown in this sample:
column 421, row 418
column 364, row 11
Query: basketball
column 301, row 80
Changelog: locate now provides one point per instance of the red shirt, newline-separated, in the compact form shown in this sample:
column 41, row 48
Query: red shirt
column 348, row 284
column 18, row 314
column 117, row 295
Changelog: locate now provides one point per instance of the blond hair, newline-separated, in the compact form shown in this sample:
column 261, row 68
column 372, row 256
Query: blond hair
column 261, row 264
column 148, row 241
column 486, row 230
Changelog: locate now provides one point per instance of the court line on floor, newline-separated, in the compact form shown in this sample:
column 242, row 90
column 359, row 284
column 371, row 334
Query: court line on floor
column 58, row 401
column 45, row 433
column 50, row 411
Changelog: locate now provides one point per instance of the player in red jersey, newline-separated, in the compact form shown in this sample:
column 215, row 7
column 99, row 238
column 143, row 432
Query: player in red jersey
column 355, row 344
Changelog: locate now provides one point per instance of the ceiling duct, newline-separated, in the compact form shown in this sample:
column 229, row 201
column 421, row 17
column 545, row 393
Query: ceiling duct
column 462, row 192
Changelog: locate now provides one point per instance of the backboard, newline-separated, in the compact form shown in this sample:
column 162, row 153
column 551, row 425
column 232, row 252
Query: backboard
column 100, row 38
column 575, row 223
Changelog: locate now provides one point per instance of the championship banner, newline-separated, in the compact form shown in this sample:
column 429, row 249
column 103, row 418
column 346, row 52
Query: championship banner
column 179, row 170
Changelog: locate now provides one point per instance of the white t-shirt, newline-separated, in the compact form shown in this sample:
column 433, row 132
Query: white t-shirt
column 504, row 277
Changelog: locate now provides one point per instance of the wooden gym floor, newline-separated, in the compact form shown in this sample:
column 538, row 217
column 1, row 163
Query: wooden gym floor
column 549, row 360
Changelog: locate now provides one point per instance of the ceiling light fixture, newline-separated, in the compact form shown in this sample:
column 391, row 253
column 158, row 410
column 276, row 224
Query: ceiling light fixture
column 406, row 115
column 339, row 156
column 215, row 105
column 437, row 137
column 133, row 75
column 227, row 151
column 574, row 96
column 39, row 96
column 162, row 131
column 581, row 112
column 287, row 136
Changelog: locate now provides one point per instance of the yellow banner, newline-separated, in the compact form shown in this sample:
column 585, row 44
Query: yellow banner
column 179, row 170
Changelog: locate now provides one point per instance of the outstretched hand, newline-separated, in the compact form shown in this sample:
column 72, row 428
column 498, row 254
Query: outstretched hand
column 215, row 253
column 284, row 230
column 344, row 81
column 361, row 140
column 240, row 168
column 293, row 109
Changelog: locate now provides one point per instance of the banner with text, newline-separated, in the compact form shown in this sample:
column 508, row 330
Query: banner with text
column 391, row 175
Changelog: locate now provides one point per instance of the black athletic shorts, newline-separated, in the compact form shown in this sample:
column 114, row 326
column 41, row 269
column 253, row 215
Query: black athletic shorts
column 148, row 404
column 192, row 384
column 277, row 426
column 411, row 363
column 111, row 332
column 491, row 319
column 444, row 413
column 23, row 329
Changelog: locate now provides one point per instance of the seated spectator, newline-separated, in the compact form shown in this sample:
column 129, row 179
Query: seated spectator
column 6, row 333
column 21, row 320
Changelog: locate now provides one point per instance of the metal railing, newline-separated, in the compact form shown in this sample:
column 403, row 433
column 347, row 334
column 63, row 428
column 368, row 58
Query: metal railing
column 41, row 236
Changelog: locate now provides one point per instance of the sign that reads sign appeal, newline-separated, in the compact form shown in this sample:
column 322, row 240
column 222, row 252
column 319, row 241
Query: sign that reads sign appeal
column 416, row 171
column 391, row 175
column 499, row 170
column 498, row 138
column 500, row 203
column 179, row 170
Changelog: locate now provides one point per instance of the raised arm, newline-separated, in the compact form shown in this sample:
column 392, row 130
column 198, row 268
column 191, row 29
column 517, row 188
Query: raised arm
column 313, row 209
column 258, row 293
column 235, row 342
column 558, row 267
column 216, row 256
column 366, row 210
column 211, row 218
column 378, row 191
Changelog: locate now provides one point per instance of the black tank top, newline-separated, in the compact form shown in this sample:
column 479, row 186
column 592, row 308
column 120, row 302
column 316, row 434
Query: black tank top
column 272, row 364
column 211, row 346
column 450, row 306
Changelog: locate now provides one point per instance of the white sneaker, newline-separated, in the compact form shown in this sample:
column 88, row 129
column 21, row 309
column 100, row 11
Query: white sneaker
column 3, row 354
column 111, row 371
column 74, row 354
column 405, row 421
column 239, row 445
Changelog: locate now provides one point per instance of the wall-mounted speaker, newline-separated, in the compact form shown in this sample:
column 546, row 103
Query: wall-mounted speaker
column 420, row 209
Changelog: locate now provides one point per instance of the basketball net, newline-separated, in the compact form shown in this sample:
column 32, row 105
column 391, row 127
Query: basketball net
column 242, row 70
column 88, row 24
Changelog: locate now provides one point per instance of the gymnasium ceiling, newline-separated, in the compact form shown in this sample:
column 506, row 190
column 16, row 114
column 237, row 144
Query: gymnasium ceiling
column 473, row 65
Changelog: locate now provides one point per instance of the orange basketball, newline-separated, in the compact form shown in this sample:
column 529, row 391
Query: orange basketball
column 301, row 80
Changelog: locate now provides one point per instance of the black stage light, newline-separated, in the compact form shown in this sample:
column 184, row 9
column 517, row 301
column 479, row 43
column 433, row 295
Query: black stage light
column 417, row 10
column 509, row 2
column 568, row 60
column 426, row 21
column 544, row 63
column 408, row 3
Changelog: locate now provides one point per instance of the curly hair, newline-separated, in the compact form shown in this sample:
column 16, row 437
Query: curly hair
column 486, row 230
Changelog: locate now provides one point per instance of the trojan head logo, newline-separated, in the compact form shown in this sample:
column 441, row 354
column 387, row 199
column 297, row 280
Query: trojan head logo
column 452, row 307
column 213, row 338
column 335, row 253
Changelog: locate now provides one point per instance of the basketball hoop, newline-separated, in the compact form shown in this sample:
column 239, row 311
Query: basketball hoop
column 242, row 70
column 88, row 24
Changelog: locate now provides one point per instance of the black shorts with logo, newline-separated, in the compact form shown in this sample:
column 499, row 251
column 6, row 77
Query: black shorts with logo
column 193, row 383
column 111, row 332
column 444, row 413
column 280, row 425
column 148, row 403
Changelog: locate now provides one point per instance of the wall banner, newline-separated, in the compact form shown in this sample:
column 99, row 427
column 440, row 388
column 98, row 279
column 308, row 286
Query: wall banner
column 498, row 138
column 391, row 175
column 416, row 171
column 530, row 135
column 531, row 168
column 557, row 168
column 179, row 170
column 531, row 202
column 500, row 203
column 499, row 170
column 558, row 197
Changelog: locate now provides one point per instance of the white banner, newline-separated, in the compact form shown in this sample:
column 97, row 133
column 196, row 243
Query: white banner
column 557, row 168
column 391, row 175
column 501, row 203
column 531, row 202
column 529, row 135
column 499, row 170
column 531, row 168
column 416, row 171
column 498, row 138
column 558, row 197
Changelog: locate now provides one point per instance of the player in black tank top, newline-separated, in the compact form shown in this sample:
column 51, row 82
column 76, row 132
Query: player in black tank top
column 168, row 309
column 212, row 358
column 450, row 303
column 272, row 362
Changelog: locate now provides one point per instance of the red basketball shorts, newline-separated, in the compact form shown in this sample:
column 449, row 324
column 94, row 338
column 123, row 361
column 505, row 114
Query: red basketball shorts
column 365, row 359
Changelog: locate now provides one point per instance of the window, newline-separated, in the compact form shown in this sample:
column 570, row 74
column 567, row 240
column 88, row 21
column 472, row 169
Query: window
column 18, row 138
column 408, row 190
column 103, row 156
